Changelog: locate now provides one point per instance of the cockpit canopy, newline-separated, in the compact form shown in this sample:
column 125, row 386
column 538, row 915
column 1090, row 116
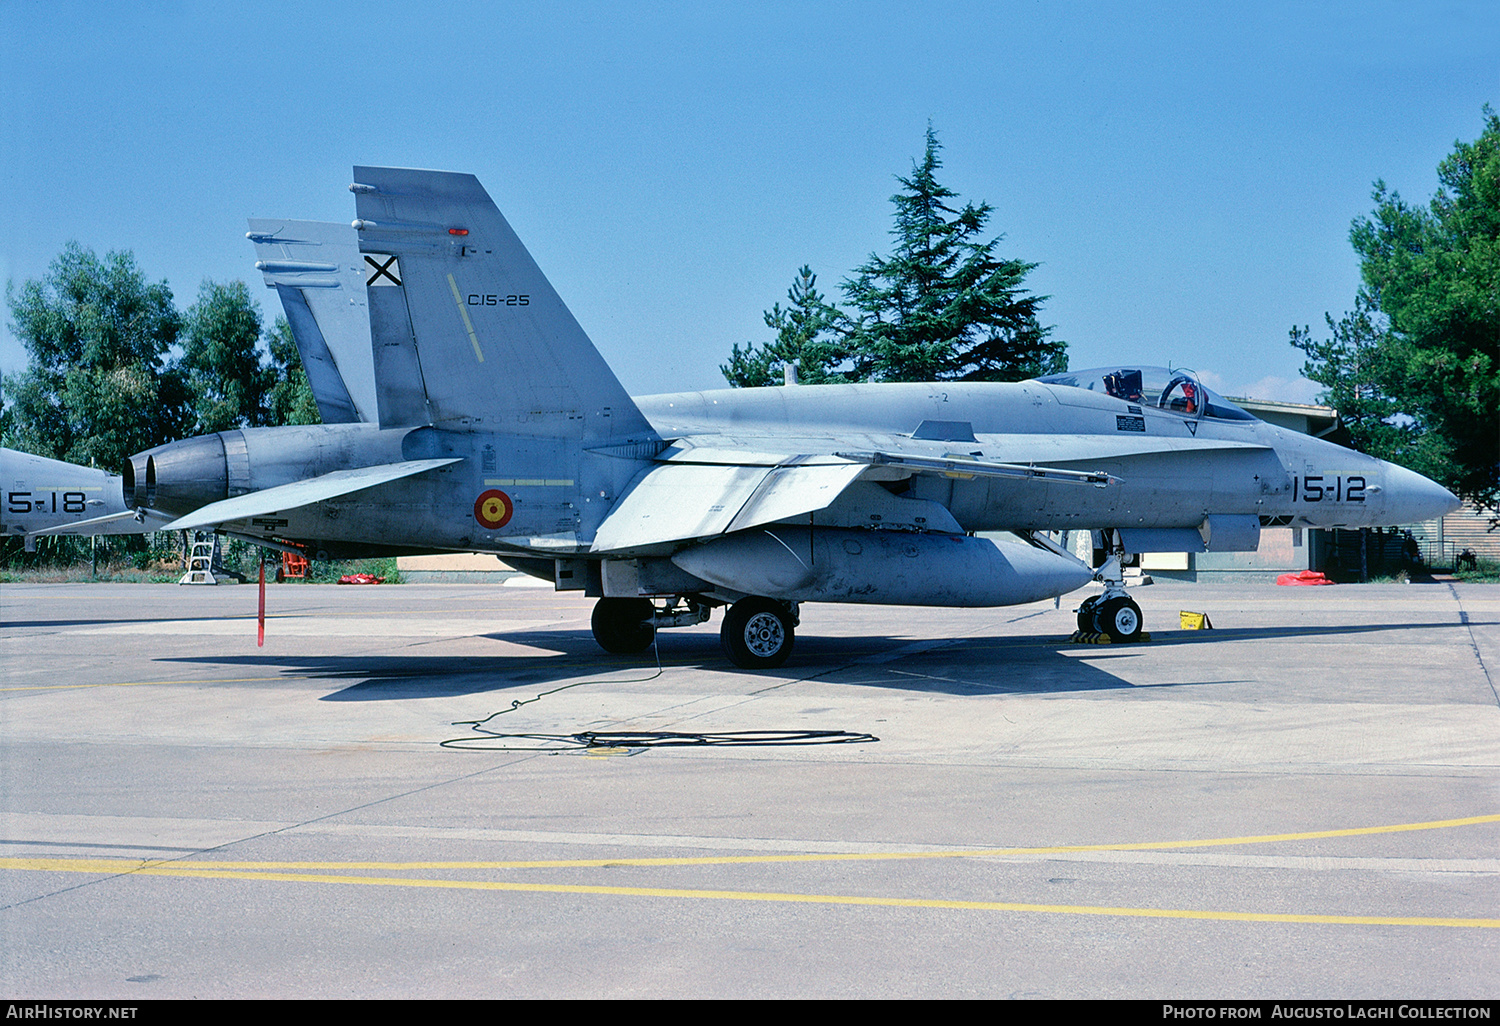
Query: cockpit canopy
column 1176, row 391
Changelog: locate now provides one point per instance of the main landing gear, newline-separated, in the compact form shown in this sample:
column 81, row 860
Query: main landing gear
column 757, row 634
column 624, row 625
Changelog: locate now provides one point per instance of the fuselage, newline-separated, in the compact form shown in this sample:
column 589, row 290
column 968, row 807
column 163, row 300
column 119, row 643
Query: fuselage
column 44, row 495
column 1171, row 471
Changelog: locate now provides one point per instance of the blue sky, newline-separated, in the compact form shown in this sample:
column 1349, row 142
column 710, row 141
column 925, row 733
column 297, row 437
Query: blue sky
column 1185, row 174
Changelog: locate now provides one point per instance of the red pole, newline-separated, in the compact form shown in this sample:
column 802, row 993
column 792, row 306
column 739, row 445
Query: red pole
column 260, row 632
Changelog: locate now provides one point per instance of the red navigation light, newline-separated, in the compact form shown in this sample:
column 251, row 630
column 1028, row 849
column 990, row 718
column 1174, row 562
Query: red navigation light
column 458, row 231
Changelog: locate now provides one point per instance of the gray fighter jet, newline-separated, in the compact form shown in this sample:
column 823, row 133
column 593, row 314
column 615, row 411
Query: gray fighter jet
column 44, row 496
column 484, row 420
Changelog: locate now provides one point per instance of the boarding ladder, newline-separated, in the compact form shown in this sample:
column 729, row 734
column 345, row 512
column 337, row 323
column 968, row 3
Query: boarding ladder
column 203, row 559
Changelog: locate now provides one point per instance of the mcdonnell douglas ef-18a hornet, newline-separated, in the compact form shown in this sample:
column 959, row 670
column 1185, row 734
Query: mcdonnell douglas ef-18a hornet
column 467, row 411
column 45, row 497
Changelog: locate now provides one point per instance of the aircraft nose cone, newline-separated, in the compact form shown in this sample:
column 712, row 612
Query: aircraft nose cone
column 1412, row 498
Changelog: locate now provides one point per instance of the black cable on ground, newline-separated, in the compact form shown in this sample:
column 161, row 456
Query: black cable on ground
column 638, row 739
column 614, row 739
column 516, row 703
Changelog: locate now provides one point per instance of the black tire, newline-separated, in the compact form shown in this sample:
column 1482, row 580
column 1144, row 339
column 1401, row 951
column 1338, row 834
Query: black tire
column 1120, row 618
column 623, row 625
column 1086, row 614
column 757, row 634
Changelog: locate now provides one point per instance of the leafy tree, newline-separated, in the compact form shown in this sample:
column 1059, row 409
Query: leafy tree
column 805, row 338
column 98, row 386
column 291, row 398
column 222, row 361
column 102, row 382
column 1422, row 357
column 943, row 305
column 1349, row 364
column 232, row 382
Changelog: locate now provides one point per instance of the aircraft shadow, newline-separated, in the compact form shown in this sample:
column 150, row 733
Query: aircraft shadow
column 103, row 621
column 1016, row 664
column 1252, row 633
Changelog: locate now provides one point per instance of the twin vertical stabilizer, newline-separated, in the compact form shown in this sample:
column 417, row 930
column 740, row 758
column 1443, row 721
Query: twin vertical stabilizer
column 467, row 333
column 316, row 269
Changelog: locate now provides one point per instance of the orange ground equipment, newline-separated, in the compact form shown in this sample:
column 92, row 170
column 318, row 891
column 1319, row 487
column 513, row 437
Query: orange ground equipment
column 293, row 565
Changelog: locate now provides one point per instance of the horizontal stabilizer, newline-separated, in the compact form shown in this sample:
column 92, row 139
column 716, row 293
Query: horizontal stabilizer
column 111, row 523
column 681, row 501
column 301, row 493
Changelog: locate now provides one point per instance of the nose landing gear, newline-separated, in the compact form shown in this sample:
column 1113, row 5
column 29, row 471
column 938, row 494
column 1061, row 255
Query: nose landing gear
column 1120, row 618
column 1114, row 612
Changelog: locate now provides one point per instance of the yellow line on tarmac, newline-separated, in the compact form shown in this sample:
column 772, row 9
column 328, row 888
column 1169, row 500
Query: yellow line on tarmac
column 1395, row 828
column 123, row 865
column 806, row 899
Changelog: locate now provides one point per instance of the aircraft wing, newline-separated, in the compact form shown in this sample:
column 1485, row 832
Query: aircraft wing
column 679, row 501
column 301, row 493
column 704, row 486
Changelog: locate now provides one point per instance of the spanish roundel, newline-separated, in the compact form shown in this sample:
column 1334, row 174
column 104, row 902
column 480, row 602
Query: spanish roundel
column 493, row 509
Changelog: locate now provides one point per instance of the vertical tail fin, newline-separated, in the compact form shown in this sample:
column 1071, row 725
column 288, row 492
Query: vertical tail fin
column 316, row 269
column 469, row 318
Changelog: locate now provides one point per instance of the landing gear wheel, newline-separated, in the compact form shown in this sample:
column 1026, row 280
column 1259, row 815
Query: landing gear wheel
column 1086, row 614
column 1120, row 618
column 623, row 625
column 757, row 634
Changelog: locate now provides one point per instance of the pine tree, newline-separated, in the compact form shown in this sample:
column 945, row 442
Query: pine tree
column 805, row 338
column 943, row 305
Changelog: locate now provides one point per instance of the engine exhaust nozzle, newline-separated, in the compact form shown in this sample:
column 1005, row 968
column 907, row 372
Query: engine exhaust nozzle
column 180, row 477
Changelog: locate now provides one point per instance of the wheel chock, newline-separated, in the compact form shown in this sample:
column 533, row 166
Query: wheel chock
column 1195, row 621
column 1103, row 638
